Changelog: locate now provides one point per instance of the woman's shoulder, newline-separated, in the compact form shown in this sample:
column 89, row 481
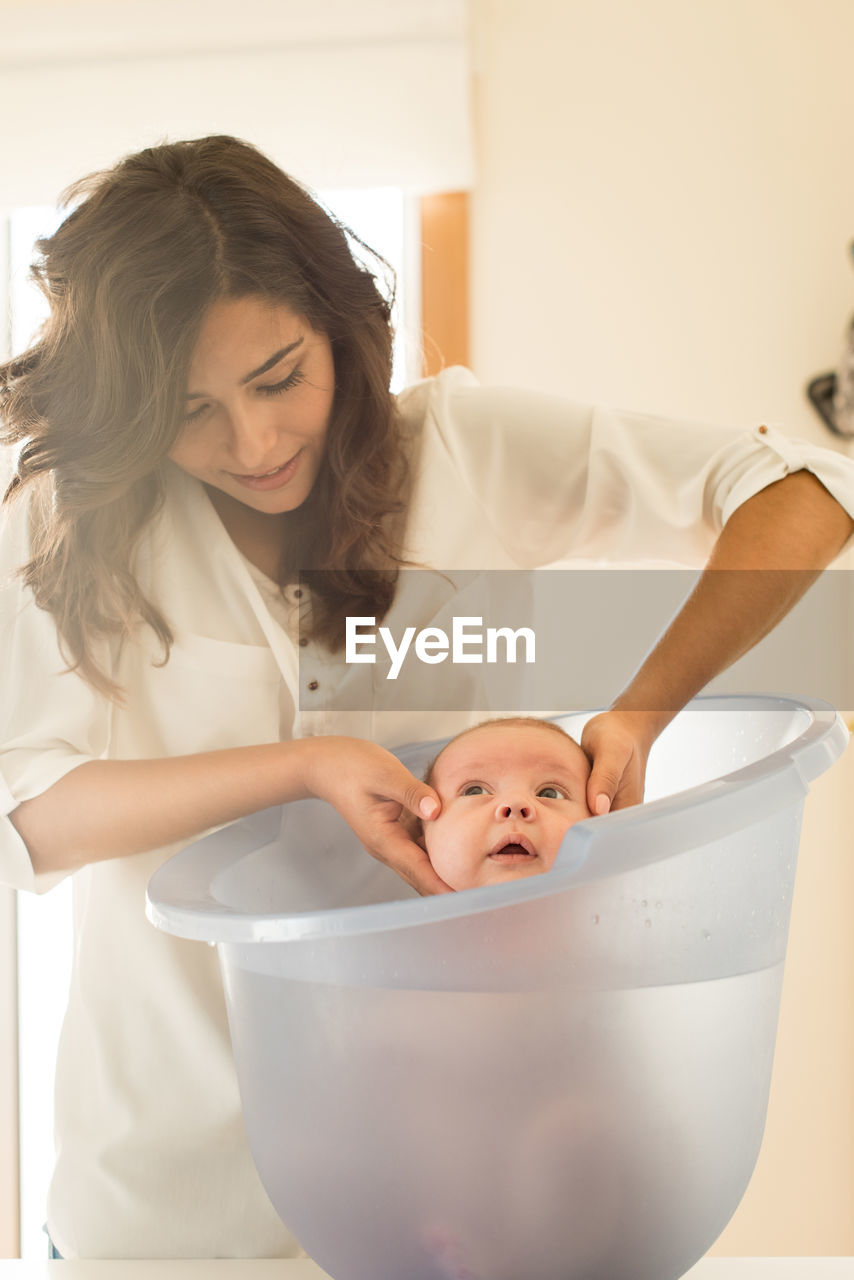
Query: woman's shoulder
column 466, row 414
column 416, row 401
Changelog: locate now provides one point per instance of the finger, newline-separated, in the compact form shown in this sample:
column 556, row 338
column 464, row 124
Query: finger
column 602, row 787
column 411, row 862
column 630, row 793
column 400, row 785
column 420, row 799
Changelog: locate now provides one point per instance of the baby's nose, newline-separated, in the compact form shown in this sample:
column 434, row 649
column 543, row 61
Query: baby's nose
column 514, row 807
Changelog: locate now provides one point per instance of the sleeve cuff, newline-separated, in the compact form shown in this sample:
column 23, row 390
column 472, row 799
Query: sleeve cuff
column 16, row 868
column 781, row 456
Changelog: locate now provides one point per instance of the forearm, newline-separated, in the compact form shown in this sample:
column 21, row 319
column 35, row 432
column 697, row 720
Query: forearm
column 768, row 554
column 115, row 808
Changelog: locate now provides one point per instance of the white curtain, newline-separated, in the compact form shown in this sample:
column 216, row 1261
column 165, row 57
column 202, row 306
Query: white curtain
column 340, row 93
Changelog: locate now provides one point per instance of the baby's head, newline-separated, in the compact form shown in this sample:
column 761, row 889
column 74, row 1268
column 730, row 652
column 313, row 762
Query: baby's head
column 510, row 789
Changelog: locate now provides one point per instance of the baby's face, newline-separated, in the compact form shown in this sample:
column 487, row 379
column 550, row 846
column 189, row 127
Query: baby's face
column 508, row 796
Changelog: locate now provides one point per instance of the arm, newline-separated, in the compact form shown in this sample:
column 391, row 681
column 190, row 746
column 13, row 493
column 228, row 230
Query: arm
column 116, row 808
column 786, row 534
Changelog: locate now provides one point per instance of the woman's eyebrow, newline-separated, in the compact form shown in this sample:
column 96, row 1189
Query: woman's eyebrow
column 256, row 373
column 274, row 359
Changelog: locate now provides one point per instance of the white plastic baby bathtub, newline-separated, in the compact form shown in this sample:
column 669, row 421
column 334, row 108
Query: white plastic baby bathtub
column 565, row 1078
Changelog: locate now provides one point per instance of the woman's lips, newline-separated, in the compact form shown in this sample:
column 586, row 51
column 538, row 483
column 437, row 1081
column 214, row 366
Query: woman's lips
column 274, row 479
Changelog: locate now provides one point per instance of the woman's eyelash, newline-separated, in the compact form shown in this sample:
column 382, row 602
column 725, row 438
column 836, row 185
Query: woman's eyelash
column 273, row 389
column 277, row 388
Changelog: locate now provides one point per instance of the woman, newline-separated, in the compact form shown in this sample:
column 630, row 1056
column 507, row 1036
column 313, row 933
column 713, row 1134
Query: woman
column 204, row 420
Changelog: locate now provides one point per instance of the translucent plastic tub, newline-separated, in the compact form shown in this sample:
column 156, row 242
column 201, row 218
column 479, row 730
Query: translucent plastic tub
column 565, row 1078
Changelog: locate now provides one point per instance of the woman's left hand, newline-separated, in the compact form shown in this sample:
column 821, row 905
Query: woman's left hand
column 617, row 744
column 770, row 550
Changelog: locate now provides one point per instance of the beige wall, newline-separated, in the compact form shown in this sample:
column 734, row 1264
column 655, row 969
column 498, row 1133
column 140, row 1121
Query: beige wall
column 662, row 220
column 663, row 205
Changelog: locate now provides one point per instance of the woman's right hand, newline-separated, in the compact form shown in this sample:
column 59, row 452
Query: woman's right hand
column 106, row 808
column 370, row 788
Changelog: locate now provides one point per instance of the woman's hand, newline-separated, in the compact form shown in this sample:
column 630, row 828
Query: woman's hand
column 370, row 788
column 617, row 744
column 103, row 809
column 768, row 553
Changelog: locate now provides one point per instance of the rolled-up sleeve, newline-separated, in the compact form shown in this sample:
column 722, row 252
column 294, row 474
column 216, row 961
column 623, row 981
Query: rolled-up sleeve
column 51, row 721
column 768, row 455
column 557, row 479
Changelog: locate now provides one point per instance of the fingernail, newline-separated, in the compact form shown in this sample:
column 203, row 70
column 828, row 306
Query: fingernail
column 603, row 805
column 427, row 807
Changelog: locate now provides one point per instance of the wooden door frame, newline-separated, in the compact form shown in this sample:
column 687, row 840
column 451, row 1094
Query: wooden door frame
column 445, row 280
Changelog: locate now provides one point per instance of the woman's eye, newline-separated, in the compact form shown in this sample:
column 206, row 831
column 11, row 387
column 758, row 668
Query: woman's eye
column 196, row 414
column 272, row 389
column 551, row 793
column 279, row 388
column 474, row 789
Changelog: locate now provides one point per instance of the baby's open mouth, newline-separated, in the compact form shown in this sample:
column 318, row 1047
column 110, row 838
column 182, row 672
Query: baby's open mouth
column 513, row 848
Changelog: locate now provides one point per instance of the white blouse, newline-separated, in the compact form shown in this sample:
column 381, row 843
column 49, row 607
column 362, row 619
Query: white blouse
column 152, row 1158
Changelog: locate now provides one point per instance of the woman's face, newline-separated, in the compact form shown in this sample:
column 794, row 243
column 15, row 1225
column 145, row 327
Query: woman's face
column 259, row 399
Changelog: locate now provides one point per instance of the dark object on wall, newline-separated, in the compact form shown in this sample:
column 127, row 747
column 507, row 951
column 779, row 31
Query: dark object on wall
column 822, row 396
column 832, row 394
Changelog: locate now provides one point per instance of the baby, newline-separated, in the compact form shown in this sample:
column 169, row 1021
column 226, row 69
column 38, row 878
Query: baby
column 510, row 789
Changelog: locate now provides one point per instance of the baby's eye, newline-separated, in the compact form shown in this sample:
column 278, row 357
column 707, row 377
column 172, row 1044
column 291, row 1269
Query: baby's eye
column 474, row 789
column 551, row 793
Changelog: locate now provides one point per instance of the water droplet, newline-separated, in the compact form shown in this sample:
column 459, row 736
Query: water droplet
column 707, row 937
column 647, row 924
column 644, row 902
column 659, row 904
column 596, row 918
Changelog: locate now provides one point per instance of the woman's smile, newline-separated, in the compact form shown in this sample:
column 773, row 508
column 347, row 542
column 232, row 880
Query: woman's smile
column 273, row 479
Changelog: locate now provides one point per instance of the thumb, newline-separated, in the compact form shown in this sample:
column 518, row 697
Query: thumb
column 602, row 787
column 421, row 800
column 411, row 862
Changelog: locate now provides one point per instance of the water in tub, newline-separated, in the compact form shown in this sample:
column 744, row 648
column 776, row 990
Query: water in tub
column 593, row 1160
column 567, row 1088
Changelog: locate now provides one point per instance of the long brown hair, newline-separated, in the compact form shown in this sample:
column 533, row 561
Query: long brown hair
column 94, row 406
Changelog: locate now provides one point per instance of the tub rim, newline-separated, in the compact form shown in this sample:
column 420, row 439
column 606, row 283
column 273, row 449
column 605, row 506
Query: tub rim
column 180, row 898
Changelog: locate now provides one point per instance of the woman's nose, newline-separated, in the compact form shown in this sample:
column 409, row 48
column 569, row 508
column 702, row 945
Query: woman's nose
column 253, row 437
column 514, row 807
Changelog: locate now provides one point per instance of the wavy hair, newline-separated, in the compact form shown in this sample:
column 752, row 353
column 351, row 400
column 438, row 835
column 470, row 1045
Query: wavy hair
column 96, row 403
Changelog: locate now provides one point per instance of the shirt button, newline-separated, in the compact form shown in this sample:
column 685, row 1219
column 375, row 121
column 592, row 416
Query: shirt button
column 762, row 430
column 303, row 642
column 297, row 593
column 313, row 684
